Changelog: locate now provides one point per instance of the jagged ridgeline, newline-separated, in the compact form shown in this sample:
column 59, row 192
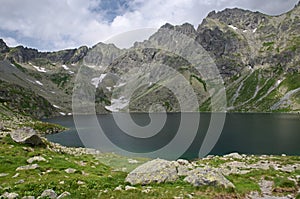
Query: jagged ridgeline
column 257, row 56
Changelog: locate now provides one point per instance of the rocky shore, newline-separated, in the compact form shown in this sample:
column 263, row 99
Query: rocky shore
column 229, row 176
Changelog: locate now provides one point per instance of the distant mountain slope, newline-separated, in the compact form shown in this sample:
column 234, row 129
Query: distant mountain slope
column 257, row 55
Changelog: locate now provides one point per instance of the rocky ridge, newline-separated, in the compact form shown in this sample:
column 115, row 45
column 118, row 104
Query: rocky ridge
column 256, row 55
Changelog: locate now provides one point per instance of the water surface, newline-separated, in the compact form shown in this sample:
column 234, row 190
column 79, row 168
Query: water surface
column 249, row 133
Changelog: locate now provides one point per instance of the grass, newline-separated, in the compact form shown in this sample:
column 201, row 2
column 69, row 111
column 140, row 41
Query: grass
column 283, row 182
column 104, row 176
column 60, row 79
column 99, row 183
column 292, row 81
column 248, row 89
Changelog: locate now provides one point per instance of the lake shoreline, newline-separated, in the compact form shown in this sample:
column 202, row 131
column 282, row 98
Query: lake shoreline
column 244, row 176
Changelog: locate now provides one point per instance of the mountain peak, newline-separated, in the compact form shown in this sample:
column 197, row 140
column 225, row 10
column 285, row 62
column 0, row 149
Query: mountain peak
column 3, row 47
column 186, row 28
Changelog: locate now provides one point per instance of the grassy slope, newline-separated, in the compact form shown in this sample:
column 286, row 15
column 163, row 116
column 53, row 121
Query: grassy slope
column 102, row 180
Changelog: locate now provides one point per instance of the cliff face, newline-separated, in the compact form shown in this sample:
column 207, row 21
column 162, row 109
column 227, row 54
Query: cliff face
column 257, row 56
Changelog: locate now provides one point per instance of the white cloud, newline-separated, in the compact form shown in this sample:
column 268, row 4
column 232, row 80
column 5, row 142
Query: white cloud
column 58, row 24
column 11, row 41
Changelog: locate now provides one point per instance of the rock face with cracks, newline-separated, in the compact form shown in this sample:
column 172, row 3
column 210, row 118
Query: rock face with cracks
column 155, row 171
column 159, row 171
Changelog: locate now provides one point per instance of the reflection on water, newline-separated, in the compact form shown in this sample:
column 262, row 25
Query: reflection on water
column 249, row 133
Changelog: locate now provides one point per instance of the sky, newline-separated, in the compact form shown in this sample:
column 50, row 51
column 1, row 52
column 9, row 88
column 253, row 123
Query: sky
column 50, row 25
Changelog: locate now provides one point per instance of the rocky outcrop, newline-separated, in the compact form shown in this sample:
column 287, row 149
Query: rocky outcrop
column 101, row 55
column 207, row 177
column 26, row 136
column 159, row 171
column 250, row 50
column 3, row 47
column 155, row 171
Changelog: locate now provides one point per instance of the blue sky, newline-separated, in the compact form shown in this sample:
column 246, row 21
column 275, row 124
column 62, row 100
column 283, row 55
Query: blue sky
column 59, row 24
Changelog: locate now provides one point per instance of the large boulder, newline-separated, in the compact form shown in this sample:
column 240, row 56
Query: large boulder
column 155, row 171
column 26, row 136
column 207, row 176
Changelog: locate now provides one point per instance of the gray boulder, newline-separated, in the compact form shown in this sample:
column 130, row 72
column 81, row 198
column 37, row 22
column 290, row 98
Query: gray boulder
column 157, row 171
column 28, row 167
column 26, row 136
column 36, row 159
column 234, row 156
column 9, row 195
column 28, row 197
column 49, row 193
column 70, row 170
column 207, row 176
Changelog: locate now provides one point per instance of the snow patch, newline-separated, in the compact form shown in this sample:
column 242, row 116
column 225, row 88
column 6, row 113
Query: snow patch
column 71, row 72
column 109, row 88
column 39, row 69
column 254, row 30
column 245, row 31
column 62, row 113
column 39, row 83
column 69, row 113
column 97, row 80
column 52, row 92
column 117, row 104
column 55, row 106
column 233, row 27
column 65, row 67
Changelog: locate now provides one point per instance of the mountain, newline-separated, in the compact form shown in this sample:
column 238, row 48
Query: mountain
column 256, row 55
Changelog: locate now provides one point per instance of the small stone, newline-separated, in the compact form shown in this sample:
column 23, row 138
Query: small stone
column 3, row 174
column 190, row 196
column 84, row 173
column 283, row 155
column 36, row 159
column 70, row 170
column 131, row 161
column 20, row 181
column 49, row 193
column 124, row 169
column 9, row 195
column 63, row 195
column 118, row 188
column 234, row 156
column 61, row 182
column 16, row 175
column 80, row 182
column 27, row 167
column 28, row 197
column 147, row 190
column 28, row 149
column 81, row 163
column 127, row 188
column 183, row 162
